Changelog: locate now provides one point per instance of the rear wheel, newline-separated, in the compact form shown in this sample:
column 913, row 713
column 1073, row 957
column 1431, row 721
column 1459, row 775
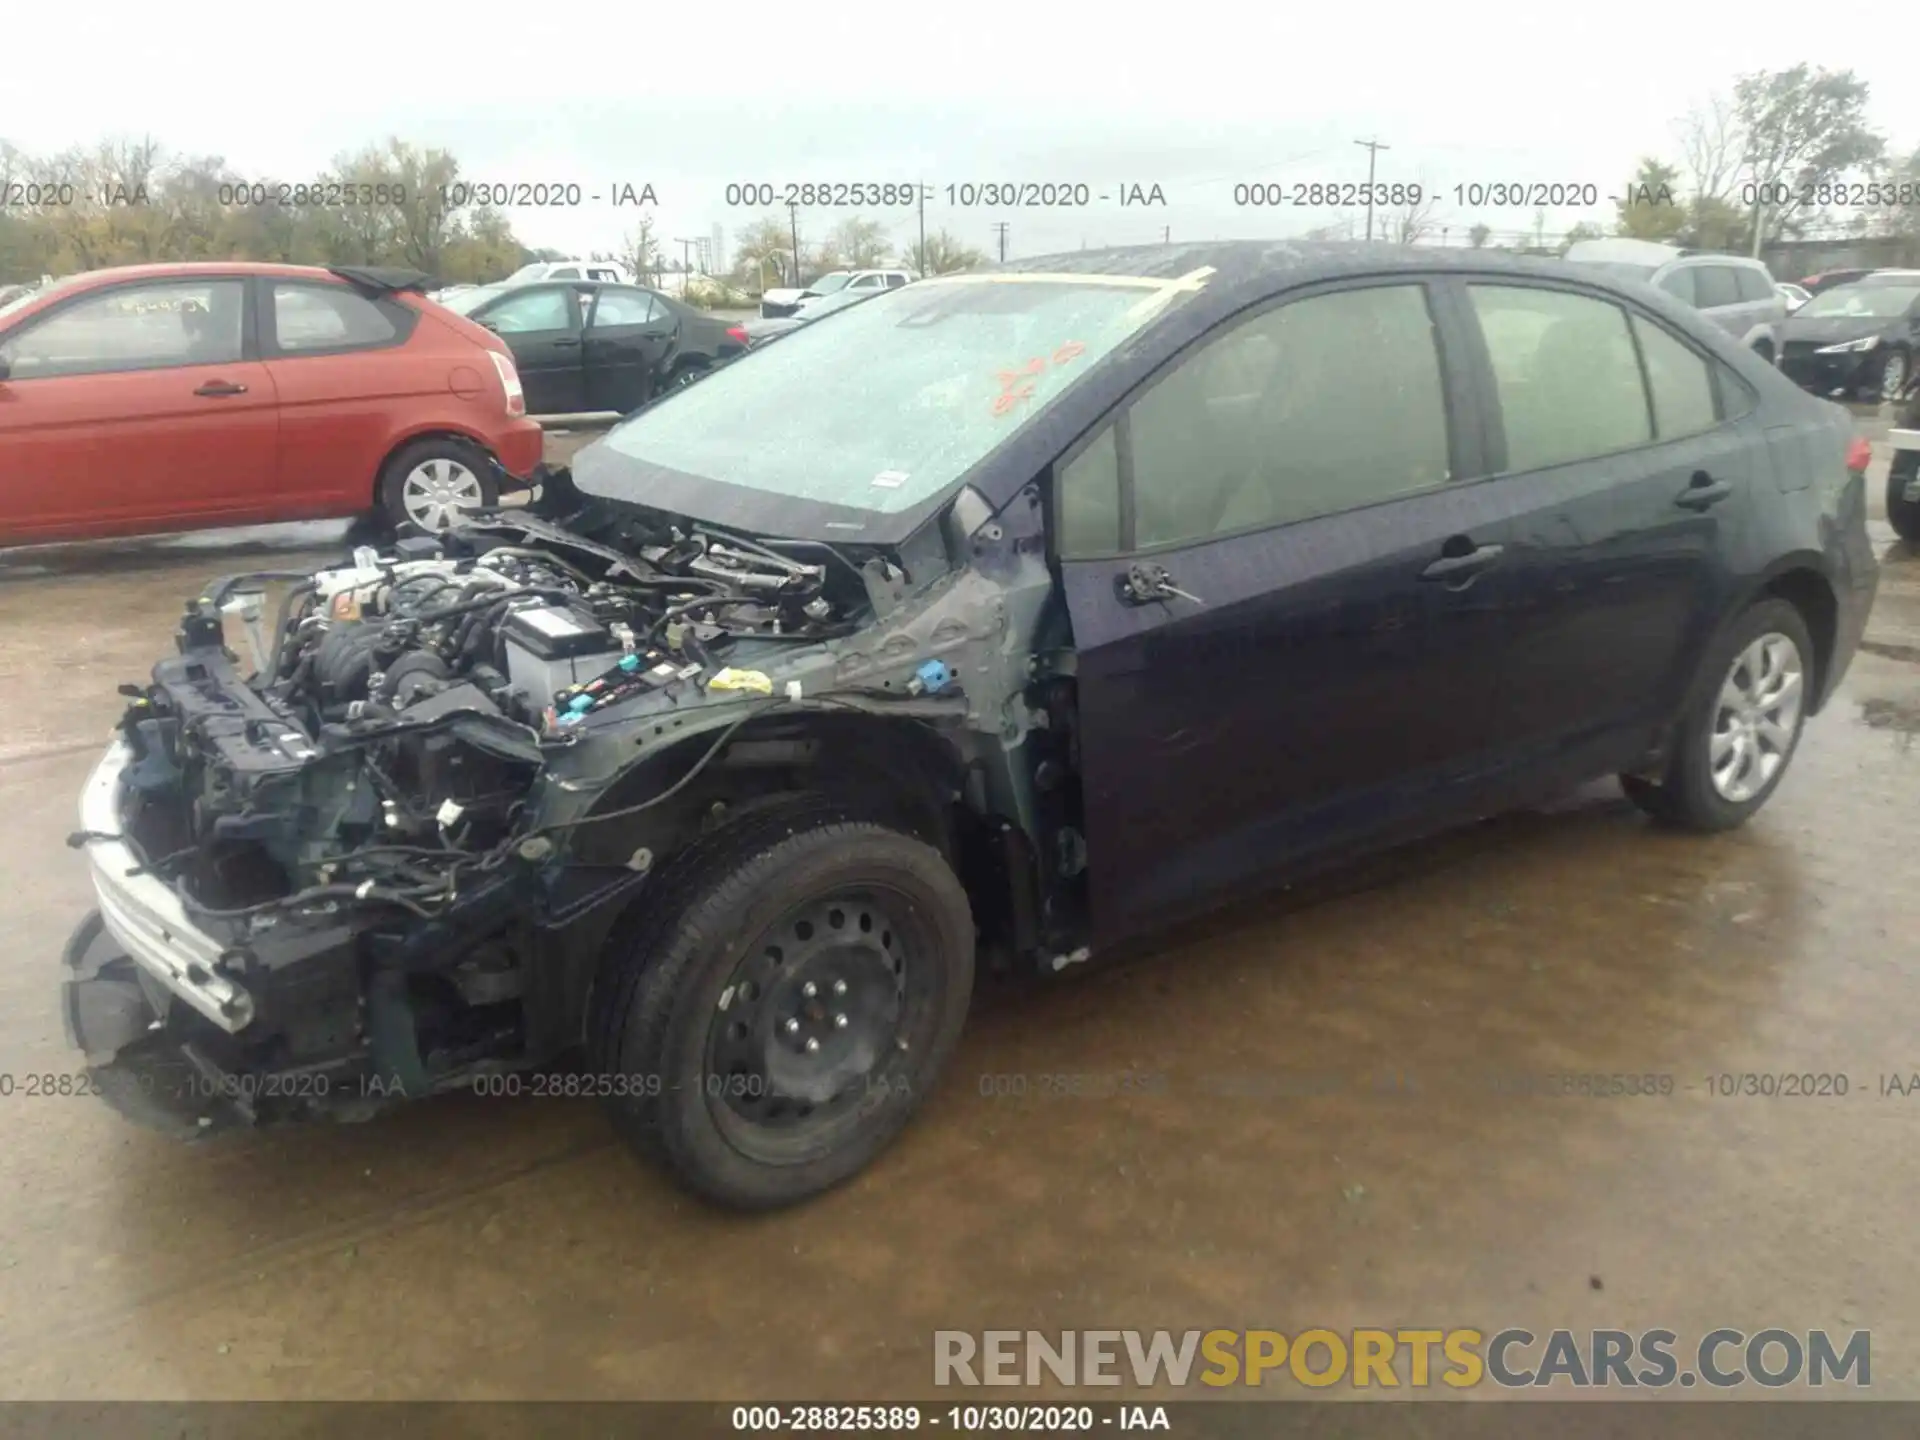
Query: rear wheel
column 429, row 482
column 1904, row 514
column 775, row 1018
column 1733, row 747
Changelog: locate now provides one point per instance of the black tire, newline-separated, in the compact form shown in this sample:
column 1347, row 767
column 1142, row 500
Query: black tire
column 403, row 462
column 1685, row 795
column 685, row 373
column 719, row 912
column 1896, row 368
column 1903, row 514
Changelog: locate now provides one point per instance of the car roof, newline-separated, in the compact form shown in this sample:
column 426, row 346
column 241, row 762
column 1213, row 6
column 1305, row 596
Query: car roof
column 174, row 270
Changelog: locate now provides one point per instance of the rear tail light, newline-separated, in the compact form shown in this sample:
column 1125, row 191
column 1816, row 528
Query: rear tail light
column 1859, row 455
column 737, row 334
column 510, row 382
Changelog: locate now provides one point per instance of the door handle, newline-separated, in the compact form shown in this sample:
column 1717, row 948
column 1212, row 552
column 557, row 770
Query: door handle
column 219, row 389
column 1463, row 566
column 1144, row 584
column 565, row 344
column 1702, row 491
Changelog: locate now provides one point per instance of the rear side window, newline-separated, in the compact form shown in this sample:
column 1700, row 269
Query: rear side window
column 1566, row 373
column 133, row 327
column 327, row 317
column 1681, row 382
column 1716, row 285
column 1752, row 284
column 1279, row 419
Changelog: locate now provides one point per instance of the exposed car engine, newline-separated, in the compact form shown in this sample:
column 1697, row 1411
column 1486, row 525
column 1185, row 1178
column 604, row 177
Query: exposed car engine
column 402, row 703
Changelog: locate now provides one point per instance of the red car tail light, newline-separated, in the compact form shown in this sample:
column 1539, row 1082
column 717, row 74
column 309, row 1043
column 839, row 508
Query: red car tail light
column 1859, row 455
column 738, row 334
column 510, row 382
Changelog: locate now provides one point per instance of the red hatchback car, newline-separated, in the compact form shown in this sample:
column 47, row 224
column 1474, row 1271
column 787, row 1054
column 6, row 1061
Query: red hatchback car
column 171, row 397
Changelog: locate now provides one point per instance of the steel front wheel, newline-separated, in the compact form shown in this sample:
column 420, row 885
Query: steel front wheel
column 430, row 483
column 779, row 1012
column 1734, row 744
column 1893, row 374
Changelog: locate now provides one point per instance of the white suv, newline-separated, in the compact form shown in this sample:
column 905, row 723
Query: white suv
column 570, row 270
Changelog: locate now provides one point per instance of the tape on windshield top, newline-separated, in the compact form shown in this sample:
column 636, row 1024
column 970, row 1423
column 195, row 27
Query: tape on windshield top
column 1192, row 280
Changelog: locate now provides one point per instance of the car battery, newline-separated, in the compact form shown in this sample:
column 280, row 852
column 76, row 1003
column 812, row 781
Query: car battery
column 550, row 648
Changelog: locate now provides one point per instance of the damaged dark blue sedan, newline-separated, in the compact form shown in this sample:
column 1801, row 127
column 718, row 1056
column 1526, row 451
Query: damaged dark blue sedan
column 1010, row 616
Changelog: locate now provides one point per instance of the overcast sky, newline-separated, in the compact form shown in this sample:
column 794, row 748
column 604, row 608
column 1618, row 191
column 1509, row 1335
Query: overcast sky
column 688, row 98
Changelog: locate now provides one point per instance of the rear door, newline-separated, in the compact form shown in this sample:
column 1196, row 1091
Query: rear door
column 1315, row 671
column 542, row 326
column 138, row 406
column 1623, row 463
column 347, row 383
column 629, row 334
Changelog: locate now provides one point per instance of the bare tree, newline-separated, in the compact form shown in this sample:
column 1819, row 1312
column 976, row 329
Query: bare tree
column 1712, row 143
column 1416, row 222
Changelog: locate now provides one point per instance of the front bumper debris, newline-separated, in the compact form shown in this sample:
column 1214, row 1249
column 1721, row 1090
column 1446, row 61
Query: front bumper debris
column 144, row 915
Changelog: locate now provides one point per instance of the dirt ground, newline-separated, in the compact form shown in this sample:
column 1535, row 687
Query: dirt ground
column 479, row 1248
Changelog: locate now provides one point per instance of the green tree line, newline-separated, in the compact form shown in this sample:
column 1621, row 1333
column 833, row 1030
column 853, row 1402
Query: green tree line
column 131, row 202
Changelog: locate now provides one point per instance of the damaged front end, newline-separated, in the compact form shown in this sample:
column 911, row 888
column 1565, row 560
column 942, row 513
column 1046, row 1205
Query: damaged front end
column 382, row 861
column 342, row 879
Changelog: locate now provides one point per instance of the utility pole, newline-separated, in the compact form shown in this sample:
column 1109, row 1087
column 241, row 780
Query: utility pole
column 686, row 263
column 1000, row 228
column 923, row 232
column 793, row 229
column 1166, row 234
column 1374, row 147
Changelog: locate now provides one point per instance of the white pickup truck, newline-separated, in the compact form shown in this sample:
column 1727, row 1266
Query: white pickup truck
column 776, row 304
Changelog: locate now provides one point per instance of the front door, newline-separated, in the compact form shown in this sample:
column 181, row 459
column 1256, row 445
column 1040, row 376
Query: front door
column 1278, row 585
column 629, row 333
column 135, row 407
column 541, row 325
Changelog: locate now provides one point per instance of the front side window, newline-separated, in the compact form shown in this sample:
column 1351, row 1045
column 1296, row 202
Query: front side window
column 327, row 317
column 1087, row 507
column 566, row 272
column 530, row 311
column 133, row 327
column 900, row 396
column 1318, row 406
column 1565, row 372
column 1679, row 284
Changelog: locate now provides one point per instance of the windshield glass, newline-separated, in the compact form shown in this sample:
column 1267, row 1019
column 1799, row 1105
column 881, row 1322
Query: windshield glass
column 826, row 304
column 465, row 302
column 830, row 282
column 1862, row 301
column 1620, row 269
column 901, row 395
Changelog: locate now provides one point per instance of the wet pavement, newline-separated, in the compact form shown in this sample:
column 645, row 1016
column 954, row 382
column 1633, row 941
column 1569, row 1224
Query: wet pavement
column 1330, row 1133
